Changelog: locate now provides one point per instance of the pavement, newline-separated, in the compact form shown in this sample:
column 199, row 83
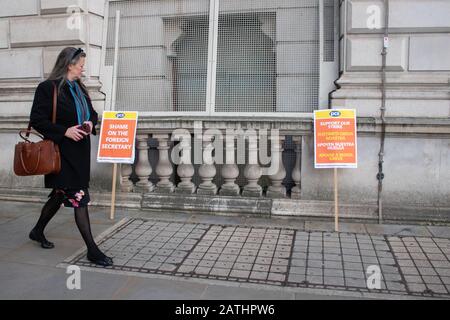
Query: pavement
column 190, row 257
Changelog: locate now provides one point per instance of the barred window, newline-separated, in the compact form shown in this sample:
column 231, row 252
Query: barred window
column 261, row 57
column 246, row 65
column 190, row 66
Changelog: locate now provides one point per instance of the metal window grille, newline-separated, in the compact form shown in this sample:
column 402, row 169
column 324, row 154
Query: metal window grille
column 267, row 62
column 328, row 30
column 162, row 54
column 246, row 64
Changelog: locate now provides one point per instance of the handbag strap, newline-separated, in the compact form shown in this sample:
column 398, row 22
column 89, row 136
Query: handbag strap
column 54, row 104
column 27, row 134
column 55, row 99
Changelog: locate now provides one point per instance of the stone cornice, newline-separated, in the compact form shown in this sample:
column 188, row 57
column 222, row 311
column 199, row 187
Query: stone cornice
column 436, row 127
column 431, row 79
column 24, row 90
column 391, row 93
column 367, row 85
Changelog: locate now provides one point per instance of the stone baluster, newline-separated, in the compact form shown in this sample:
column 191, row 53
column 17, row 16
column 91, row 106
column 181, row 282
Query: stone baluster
column 252, row 170
column 143, row 168
column 164, row 168
column 125, row 172
column 230, row 170
column 296, row 173
column 207, row 169
column 185, row 170
column 276, row 189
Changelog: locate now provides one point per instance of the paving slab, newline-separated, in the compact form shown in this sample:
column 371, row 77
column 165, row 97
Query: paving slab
column 159, row 289
column 237, row 293
column 32, row 253
column 439, row 231
column 319, row 226
column 398, row 230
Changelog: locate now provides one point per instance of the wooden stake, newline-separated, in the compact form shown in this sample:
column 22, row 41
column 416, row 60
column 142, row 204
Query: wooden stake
column 113, row 107
column 336, row 206
column 113, row 192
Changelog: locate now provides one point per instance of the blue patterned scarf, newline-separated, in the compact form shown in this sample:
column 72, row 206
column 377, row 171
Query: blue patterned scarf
column 80, row 102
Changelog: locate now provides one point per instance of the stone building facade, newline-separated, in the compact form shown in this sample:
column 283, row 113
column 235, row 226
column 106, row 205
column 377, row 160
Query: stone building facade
column 273, row 63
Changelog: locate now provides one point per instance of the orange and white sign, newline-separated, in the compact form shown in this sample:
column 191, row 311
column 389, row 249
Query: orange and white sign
column 335, row 144
column 117, row 137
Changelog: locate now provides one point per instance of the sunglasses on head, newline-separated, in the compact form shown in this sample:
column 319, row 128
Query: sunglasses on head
column 79, row 50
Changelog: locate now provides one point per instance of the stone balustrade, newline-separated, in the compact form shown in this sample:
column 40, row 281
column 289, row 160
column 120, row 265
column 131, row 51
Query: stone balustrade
column 245, row 148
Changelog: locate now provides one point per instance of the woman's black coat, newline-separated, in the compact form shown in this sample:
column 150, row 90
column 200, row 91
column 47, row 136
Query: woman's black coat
column 75, row 156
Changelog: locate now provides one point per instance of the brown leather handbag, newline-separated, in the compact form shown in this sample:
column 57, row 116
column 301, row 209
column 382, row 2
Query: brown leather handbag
column 37, row 158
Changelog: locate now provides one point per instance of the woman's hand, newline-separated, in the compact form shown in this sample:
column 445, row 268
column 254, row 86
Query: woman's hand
column 75, row 134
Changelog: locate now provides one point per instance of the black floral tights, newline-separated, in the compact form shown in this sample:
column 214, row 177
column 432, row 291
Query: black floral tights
column 84, row 225
column 48, row 211
column 81, row 218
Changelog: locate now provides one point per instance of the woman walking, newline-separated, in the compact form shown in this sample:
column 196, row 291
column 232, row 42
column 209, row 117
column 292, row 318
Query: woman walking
column 75, row 121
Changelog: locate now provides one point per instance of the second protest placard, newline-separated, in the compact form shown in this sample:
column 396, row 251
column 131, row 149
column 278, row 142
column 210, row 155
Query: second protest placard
column 335, row 144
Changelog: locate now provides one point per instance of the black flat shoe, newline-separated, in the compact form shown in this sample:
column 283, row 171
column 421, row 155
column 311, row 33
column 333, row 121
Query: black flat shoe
column 41, row 239
column 103, row 261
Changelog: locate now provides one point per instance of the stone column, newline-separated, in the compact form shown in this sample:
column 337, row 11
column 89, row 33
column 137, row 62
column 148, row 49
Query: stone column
column 230, row 170
column 276, row 189
column 252, row 170
column 207, row 169
column 296, row 174
column 125, row 172
column 164, row 168
column 185, row 170
column 143, row 168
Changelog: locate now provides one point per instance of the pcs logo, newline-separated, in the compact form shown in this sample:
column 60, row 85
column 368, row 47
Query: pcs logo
column 335, row 113
column 120, row 115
